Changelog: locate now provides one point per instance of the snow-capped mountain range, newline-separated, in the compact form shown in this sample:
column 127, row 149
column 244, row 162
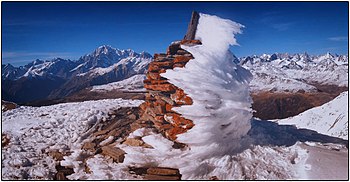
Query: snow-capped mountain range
column 103, row 57
column 284, row 72
column 63, row 77
column 296, row 72
column 272, row 72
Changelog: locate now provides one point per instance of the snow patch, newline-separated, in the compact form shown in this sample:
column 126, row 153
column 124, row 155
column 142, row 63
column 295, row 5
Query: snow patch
column 134, row 83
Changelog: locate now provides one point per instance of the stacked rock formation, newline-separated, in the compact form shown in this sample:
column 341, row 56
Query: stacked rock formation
column 162, row 96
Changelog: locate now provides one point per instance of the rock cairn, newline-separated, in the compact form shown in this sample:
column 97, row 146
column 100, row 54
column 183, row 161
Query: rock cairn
column 162, row 96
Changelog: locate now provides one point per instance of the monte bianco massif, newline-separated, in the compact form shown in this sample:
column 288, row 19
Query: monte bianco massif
column 63, row 77
column 226, row 141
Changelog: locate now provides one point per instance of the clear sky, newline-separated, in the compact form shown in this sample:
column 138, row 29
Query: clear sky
column 44, row 30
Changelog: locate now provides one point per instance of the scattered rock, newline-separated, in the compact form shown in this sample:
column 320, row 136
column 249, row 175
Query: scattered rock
column 156, row 173
column 58, row 156
column 213, row 178
column 89, row 146
column 157, row 177
column 133, row 142
column 62, row 173
column 5, row 140
column 163, row 171
column 136, row 142
column 115, row 153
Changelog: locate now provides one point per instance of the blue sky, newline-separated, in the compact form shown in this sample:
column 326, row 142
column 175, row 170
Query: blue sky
column 44, row 30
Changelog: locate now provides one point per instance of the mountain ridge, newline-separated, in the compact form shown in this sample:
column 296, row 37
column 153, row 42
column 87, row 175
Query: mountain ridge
column 66, row 76
column 105, row 64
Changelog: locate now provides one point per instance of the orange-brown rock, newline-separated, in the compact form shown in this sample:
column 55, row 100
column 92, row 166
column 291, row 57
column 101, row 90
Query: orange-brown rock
column 178, row 121
column 172, row 49
column 168, row 108
column 156, row 66
column 165, row 99
column 161, row 87
column 191, row 42
column 179, row 65
column 159, row 55
column 164, row 96
column 156, row 82
column 171, row 133
column 182, row 59
column 149, row 97
column 160, row 119
column 146, row 81
column 153, row 76
column 181, row 98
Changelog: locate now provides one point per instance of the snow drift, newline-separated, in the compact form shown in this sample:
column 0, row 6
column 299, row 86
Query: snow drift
column 218, row 86
column 329, row 119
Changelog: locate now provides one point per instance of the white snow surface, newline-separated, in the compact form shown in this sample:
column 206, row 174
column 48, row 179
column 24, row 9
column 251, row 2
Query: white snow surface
column 219, row 88
column 330, row 119
column 257, row 162
column 35, row 130
column 134, row 83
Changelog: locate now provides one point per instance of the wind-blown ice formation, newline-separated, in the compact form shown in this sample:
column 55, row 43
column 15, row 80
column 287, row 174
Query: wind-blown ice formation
column 218, row 86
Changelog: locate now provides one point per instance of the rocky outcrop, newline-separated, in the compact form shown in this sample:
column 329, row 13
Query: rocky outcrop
column 162, row 96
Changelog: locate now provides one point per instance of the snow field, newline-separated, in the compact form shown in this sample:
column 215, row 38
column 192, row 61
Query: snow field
column 34, row 131
column 134, row 83
column 329, row 119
